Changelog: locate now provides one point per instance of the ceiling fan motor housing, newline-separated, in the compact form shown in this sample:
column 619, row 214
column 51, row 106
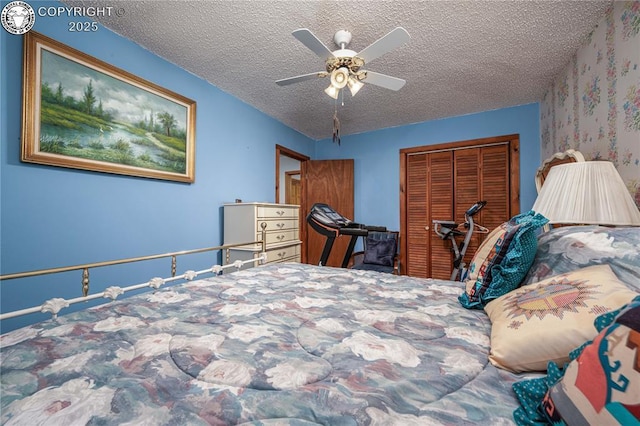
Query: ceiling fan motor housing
column 342, row 38
column 344, row 59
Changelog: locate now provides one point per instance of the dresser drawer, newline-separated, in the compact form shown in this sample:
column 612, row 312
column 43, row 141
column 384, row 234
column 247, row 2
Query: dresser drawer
column 290, row 253
column 287, row 253
column 280, row 237
column 277, row 211
column 278, row 224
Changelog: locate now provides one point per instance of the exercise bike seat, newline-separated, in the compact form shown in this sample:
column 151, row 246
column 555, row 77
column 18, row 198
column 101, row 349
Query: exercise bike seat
column 446, row 228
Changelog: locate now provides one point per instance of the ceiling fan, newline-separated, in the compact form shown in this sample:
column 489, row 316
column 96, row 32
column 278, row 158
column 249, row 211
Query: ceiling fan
column 345, row 66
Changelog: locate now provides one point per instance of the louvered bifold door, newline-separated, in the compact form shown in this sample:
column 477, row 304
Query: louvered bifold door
column 495, row 186
column 440, row 195
column 416, row 210
column 468, row 184
column 482, row 174
column 442, row 184
column 429, row 196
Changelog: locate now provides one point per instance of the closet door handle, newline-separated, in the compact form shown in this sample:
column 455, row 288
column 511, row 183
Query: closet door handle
column 426, row 228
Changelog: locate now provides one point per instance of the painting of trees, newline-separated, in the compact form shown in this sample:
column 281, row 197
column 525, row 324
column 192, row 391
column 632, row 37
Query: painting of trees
column 92, row 115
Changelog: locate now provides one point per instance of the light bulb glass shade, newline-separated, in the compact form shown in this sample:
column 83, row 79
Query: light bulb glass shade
column 332, row 91
column 354, row 85
column 585, row 193
column 339, row 77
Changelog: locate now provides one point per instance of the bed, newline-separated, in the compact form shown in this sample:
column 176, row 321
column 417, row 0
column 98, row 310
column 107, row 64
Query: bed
column 290, row 344
column 297, row 344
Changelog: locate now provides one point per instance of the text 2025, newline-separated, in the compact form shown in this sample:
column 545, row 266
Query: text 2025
column 83, row 26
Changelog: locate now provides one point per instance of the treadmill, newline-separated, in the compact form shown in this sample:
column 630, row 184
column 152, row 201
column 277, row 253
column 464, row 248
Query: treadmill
column 328, row 222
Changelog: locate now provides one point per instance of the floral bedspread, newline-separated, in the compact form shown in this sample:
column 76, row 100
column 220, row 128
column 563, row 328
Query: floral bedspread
column 286, row 344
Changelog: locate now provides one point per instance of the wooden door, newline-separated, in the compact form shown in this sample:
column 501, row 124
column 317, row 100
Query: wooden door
column 442, row 182
column 429, row 197
column 440, row 202
column 330, row 182
column 467, row 165
column 292, row 187
column 482, row 174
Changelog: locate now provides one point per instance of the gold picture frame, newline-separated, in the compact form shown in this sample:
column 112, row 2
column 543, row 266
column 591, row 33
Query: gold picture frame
column 83, row 113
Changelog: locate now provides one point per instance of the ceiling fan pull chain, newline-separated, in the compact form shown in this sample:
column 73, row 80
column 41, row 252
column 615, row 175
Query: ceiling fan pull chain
column 336, row 124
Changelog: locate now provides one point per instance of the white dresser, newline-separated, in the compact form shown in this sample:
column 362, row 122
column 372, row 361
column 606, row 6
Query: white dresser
column 243, row 223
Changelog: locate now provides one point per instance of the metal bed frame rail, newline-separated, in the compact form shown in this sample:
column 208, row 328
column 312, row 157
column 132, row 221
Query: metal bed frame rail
column 54, row 305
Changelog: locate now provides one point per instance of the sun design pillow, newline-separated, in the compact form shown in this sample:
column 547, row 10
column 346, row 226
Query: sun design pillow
column 544, row 321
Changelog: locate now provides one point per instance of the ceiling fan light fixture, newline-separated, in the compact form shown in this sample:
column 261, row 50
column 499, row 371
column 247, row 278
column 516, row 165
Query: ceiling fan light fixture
column 354, row 85
column 332, row 91
column 339, row 77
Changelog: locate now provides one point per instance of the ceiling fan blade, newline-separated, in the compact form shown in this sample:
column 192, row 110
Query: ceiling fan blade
column 299, row 78
column 384, row 44
column 307, row 38
column 382, row 80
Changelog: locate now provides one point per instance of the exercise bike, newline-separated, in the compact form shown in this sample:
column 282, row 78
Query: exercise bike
column 447, row 229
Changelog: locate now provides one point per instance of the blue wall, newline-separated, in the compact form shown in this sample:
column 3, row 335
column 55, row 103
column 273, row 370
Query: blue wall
column 52, row 216
column 377, row 156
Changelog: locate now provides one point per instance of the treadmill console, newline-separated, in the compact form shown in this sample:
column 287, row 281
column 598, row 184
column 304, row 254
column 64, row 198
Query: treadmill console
column 328, row 216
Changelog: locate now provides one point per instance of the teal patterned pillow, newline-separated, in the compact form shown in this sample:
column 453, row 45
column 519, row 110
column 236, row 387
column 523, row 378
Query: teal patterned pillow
column 502, row 260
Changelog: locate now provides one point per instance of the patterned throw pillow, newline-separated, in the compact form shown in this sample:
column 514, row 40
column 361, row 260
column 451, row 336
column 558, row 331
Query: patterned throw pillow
column 600, row 386
column 502, row 260
column 542, row 322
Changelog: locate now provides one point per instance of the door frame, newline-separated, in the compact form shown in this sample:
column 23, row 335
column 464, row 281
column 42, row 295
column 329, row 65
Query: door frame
column 288, row 184
column 514, row 175
column 282, row 150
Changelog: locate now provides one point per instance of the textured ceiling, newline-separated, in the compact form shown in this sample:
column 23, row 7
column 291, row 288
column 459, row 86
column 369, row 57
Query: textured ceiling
column 463, row 56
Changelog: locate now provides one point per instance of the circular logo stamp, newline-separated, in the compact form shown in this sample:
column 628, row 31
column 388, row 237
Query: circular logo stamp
column 18, row 17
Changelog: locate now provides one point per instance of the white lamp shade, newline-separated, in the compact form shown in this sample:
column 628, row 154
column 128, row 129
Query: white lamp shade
column 332, row 91
column 339, row 77
column 354, row 85
column 590, row 192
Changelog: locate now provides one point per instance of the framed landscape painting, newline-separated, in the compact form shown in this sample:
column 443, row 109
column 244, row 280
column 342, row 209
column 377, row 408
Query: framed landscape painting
column 83, row 113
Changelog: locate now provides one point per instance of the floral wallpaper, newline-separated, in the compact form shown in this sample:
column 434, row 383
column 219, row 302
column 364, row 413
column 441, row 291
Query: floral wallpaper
column 594, row 104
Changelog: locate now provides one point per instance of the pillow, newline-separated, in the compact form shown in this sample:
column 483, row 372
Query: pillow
column 502, row 260
column 601, row 385
column 380, row 252
column 569, row 248
column 544, row 321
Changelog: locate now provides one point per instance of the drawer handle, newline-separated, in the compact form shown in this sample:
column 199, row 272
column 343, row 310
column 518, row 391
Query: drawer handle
column 282, row 254
column 281, row 225
column 280, row 212
column 280, row 237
